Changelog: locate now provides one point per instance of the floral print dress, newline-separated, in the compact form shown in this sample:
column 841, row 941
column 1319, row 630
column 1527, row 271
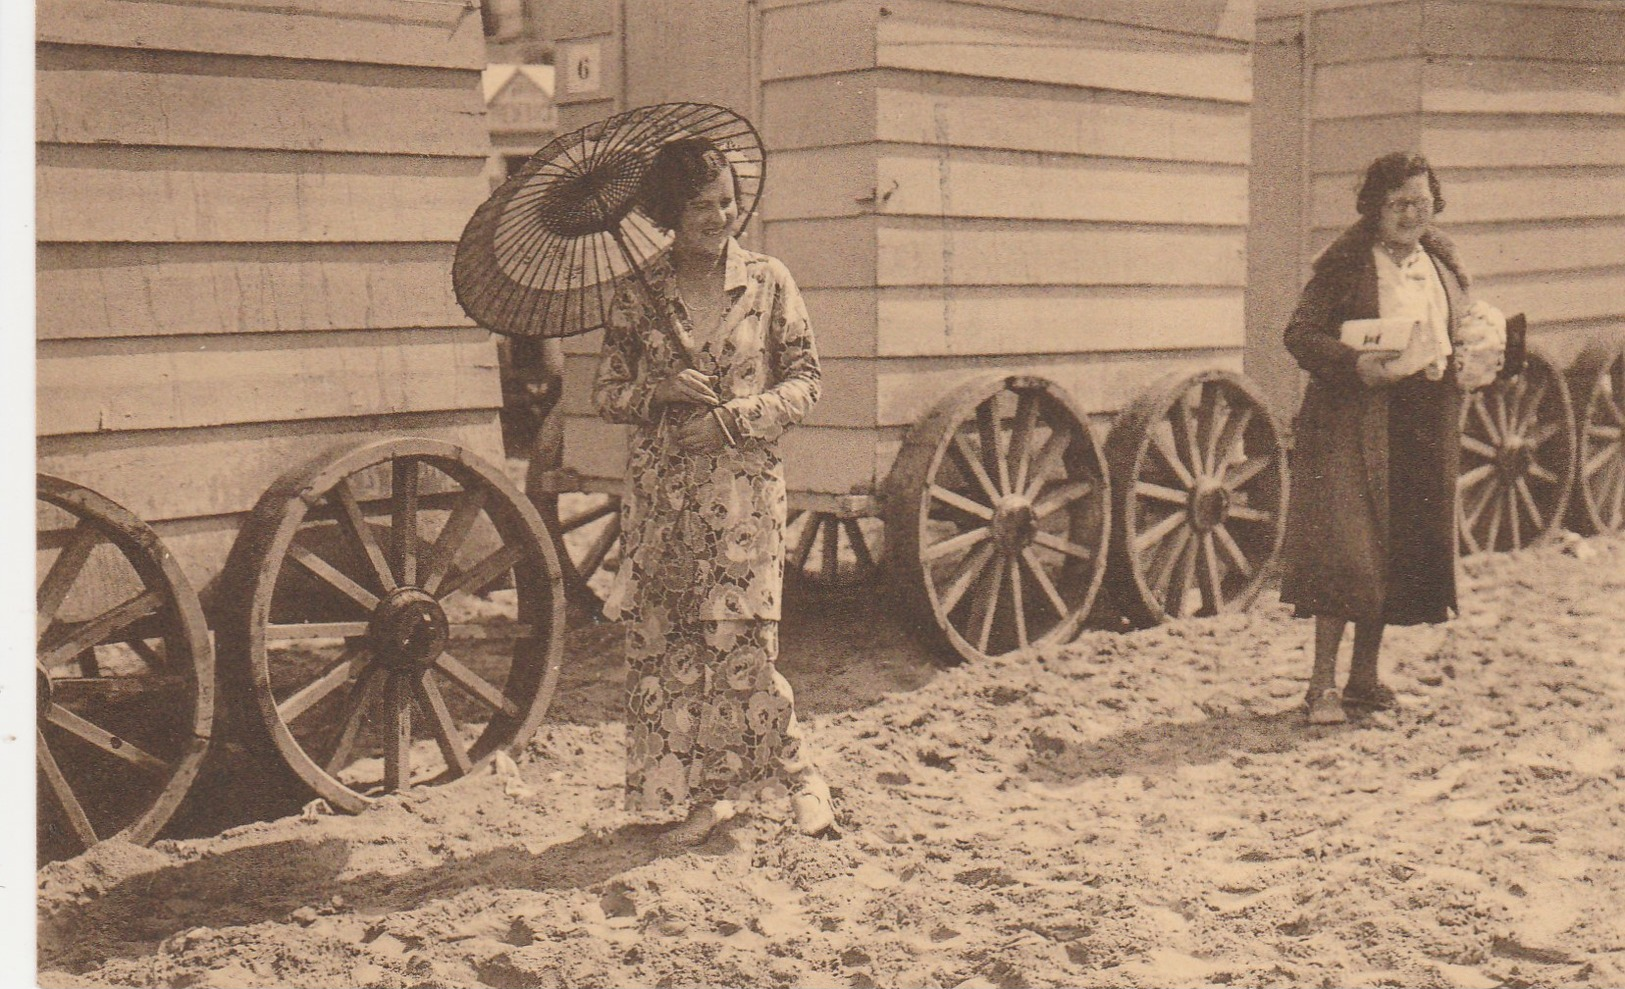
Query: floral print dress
column 708, row 716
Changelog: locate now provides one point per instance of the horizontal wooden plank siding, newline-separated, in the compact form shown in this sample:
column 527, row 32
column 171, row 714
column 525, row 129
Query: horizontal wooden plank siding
column 177, row 382
column 170, row 102
column 1060, row 254
column 122, row 289
column 224, row 469
column 247, row 214
column 164, row 195
column 384, row 32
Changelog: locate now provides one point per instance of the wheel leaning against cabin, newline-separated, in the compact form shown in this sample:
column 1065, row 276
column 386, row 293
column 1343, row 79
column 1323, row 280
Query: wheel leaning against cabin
column 124, row 674
column 997, row 512
column 372, row 580
column 1199, row 484
column 1517, row 459
column 1597, row 385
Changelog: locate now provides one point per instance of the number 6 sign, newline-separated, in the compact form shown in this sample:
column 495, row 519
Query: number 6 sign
column 581, row 63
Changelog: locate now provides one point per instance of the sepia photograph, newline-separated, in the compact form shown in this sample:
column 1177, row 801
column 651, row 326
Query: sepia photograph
column 889, row 494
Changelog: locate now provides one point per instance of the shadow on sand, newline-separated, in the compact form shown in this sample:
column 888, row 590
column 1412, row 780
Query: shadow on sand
column 255, row 884
column 1165, row 747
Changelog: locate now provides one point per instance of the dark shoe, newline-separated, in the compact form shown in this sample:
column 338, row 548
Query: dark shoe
column 1374, row 696
column 1326, row 708
column 701, row 821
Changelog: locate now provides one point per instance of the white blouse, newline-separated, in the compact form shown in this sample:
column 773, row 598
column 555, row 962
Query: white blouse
column 1411, row 289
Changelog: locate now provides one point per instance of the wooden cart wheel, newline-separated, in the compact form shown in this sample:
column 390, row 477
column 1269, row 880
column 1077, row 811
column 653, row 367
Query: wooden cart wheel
column 1199, row 485
column 997, row 512
column 815, row 558
column 1517, row 459
column 586, row 538
column 357, row 580
column 124, row 674
column 1597, row 385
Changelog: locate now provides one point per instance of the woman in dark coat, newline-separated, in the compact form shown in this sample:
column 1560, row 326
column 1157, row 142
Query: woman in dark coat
column 1371, row 528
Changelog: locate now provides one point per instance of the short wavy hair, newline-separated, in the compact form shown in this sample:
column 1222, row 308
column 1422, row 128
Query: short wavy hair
column 1389, row 173
column 679, row 171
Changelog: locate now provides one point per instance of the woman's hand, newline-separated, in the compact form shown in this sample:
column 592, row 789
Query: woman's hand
column 687, row 385
column 701, row 434
column 1372, row 367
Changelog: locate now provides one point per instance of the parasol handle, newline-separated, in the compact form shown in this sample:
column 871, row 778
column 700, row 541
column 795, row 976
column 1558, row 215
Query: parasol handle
column 671, row 327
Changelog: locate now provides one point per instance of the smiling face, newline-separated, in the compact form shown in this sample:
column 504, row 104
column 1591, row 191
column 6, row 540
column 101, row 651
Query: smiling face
column 1406, row 213
column 708, row 219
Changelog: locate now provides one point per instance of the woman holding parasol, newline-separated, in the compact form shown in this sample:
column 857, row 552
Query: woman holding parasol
column 709, row 718
column 627, row 224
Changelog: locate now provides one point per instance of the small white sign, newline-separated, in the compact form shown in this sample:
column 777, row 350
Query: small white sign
column 583, row 67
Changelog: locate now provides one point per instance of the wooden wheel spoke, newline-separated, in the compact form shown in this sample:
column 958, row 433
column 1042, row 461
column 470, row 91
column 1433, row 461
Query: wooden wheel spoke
column 475, row 685
column 1168, row 558
column 1537, row 520
column 1600, row 432
column 105, row 740
column 1246, row 471
column 355, row 711
column 1514, row 520
column 1049, row 457
column 441, row 725
column 1619, row 497
column 1172, row 496
column 1021, row 438
column 1471, row 518
column 355, row 524
column 458, row 525
column 62, row 649
column 1478, row 447
column 1018, row 607
column 64, row 571
column 1529, row 404
column 78, row 820
column 593, row 514
column 1471, row 478
column 333, row 577
column 969, row 569
column 398, row 735
column 317, row 630
column 1247, row 513
column 486, row 631
column 1480, row 407
column 1232, row 550
column 481, row 573
column 1154, row 535
column 972, row 465
column 964, row 540
column 994, row 457
column 1184, row 429
column 317, row 690
column 988, row 604
column 1540, row 473
column 1500, row 405
column 1209, row 577
column 1036, row 568
column 1211, row 419
column 956, row 500
column 1494, row 501
column 1179, row 587
column 1235, row 432
column 1051, row 541
column 404, row 523
column 1162, row 440
column 1546, row 434
column 1063, row 496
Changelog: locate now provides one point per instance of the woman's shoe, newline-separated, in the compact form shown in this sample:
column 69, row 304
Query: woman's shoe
column 1373, row 696
column 1326, row 708
column 814, row 812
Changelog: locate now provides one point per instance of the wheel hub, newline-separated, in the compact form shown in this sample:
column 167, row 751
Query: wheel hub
column 1014, row 524
column 409, row 629
column 1512, row 459
column 1210, row 504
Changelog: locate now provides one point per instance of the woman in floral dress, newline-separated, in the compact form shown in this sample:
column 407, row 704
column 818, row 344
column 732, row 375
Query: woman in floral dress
column 710, row 721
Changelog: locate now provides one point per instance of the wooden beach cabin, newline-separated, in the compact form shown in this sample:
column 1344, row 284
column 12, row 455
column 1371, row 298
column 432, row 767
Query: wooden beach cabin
column 1056, row 188
column 254, row 385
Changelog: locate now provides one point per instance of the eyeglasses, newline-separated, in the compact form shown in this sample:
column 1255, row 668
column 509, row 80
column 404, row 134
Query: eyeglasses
column 1400, row 205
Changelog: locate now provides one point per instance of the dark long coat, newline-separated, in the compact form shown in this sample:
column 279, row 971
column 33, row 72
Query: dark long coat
column 1371, row 526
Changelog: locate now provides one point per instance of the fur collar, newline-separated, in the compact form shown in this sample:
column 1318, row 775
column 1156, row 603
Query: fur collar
column 1352, row 249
